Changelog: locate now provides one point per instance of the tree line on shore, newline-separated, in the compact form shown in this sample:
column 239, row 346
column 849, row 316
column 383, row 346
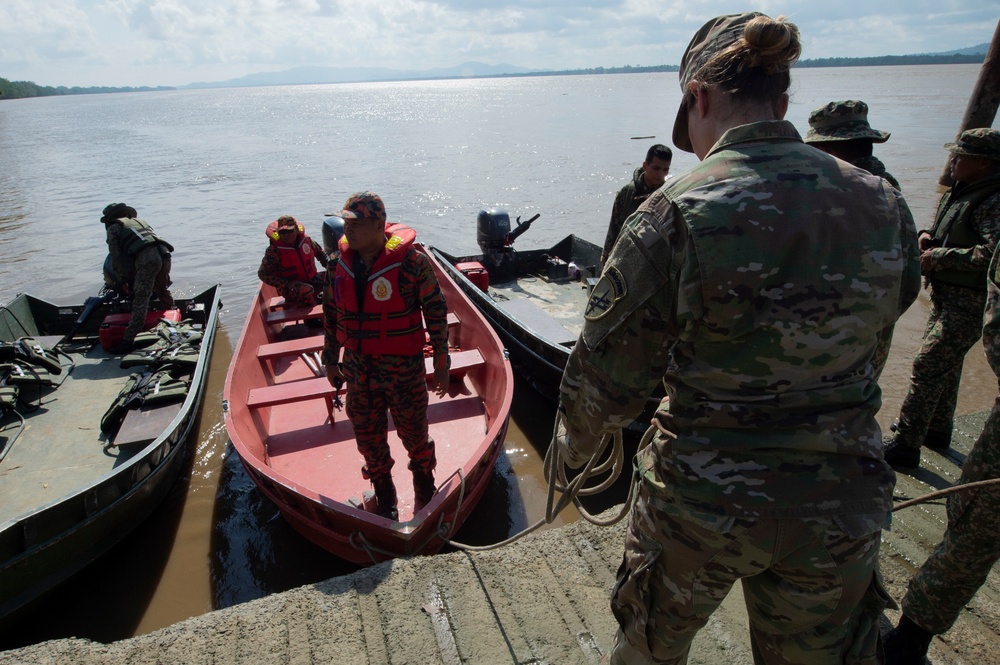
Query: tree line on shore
column 22, row 89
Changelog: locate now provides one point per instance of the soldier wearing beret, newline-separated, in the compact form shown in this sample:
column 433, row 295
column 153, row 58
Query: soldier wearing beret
column 746, row 286
column 841, row 129
column 954, row 256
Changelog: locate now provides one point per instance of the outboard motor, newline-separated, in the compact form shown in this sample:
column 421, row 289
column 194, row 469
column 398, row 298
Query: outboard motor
column 492, row 229
column 333, row 231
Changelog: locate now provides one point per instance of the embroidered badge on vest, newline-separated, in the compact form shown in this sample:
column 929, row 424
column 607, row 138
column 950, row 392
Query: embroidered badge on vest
column 609, row 289
column 381, row 289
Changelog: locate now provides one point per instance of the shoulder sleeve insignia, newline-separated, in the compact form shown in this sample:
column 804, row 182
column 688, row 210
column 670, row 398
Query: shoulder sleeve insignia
column 610, row 288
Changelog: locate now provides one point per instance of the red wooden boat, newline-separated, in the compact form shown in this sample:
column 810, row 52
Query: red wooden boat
column 300, row 451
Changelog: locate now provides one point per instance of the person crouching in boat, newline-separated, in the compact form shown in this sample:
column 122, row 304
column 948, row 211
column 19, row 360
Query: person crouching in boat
column 289, row 263
column 372, row 307
column 142, row 260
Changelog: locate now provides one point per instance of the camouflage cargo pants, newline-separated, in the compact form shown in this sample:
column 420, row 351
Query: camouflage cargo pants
column 377, row 386
column 152, row 276
column 295, row 299
column 960, row 563
column 811, row 588
column 954, row 326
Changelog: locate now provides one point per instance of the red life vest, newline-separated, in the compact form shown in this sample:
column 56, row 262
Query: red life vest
column 298, row 261
column 382, row 324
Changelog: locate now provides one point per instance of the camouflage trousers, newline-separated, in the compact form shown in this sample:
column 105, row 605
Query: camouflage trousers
column 960, row 563
column 376, row 387
column 954, row 326
column 811, row 588
column 152, row 276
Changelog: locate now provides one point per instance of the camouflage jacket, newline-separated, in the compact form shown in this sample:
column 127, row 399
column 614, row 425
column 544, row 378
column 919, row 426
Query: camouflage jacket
column 628, row 199
column 874, row 165
column 978, row 226
column 755, row 286
column 991, row 316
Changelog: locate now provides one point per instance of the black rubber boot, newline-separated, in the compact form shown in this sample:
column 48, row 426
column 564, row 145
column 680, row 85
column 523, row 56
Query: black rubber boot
column 385, row 497
column 897, row 454
column 423, row 487
column 906, row 644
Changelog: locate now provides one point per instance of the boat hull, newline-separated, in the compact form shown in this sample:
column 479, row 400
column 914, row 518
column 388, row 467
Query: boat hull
column 302, row 454
column 48, row 543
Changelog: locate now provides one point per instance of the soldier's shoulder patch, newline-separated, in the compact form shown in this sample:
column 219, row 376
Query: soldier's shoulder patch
column 610, row 288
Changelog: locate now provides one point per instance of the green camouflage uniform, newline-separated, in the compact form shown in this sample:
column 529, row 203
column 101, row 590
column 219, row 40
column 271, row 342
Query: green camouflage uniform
column 874, row 165
column 960, row 563
column 755, row 287
column 955, row 323
column 140, row 259
column 627, row 201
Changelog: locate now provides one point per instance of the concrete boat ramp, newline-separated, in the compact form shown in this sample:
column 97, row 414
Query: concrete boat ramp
column 543, row 599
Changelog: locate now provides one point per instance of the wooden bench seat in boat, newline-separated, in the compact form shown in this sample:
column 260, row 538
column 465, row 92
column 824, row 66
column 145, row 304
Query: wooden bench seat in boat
column 293, row 391
column 294, row 347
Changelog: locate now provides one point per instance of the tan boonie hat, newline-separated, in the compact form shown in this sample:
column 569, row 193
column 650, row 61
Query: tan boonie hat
column 713, row 37
column 842, row 121
column 981, row 142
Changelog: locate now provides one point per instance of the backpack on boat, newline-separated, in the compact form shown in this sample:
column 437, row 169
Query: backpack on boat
column 151, row 387
column 174, row 342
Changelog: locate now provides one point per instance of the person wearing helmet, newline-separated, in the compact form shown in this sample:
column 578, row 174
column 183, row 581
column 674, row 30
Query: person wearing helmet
column 289, row 263
column 142, row 260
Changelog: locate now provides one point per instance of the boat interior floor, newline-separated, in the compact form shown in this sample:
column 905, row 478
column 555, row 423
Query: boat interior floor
column 61, row 447
column 562, row 300
column 305, row 449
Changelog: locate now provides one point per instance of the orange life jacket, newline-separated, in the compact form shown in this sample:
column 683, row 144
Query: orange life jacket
column 298, row 261
column 382, row 323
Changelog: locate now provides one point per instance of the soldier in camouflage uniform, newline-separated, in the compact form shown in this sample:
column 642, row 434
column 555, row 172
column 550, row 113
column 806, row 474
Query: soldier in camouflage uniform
column 372, row 307
column 955, row 253
column 842, row 130
column 289, row 263
column 142, row 262
column 960, row 563
column 645, row 180
column 754, row 286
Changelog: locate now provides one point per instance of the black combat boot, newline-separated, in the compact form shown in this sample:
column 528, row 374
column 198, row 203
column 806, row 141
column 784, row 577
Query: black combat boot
column 899, row 455
column 423, row 487
column 938, row 440
column 906, row 644
column 385, row 496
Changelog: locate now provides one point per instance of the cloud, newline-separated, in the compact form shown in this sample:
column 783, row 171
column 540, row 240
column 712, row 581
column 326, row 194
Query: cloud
column 174, row 42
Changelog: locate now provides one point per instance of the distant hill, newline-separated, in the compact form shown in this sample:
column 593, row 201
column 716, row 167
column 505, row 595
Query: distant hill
column 312, row 75
column 318, row 75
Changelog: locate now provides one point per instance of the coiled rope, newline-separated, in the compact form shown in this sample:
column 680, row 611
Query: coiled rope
column 572, row 490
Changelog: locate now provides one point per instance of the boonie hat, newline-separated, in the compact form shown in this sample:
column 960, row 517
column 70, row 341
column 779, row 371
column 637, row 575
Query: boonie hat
column 713, row 37
column 842, row 121
column 363, row 205
column 117, row 211
column 981, row 142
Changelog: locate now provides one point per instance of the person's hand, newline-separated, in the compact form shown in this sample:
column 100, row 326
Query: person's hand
column 333, row 374
column 924, row 241
column 439, row 384
column 928, row 261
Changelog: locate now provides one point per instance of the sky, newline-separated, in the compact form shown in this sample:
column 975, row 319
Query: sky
column 177, row 42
